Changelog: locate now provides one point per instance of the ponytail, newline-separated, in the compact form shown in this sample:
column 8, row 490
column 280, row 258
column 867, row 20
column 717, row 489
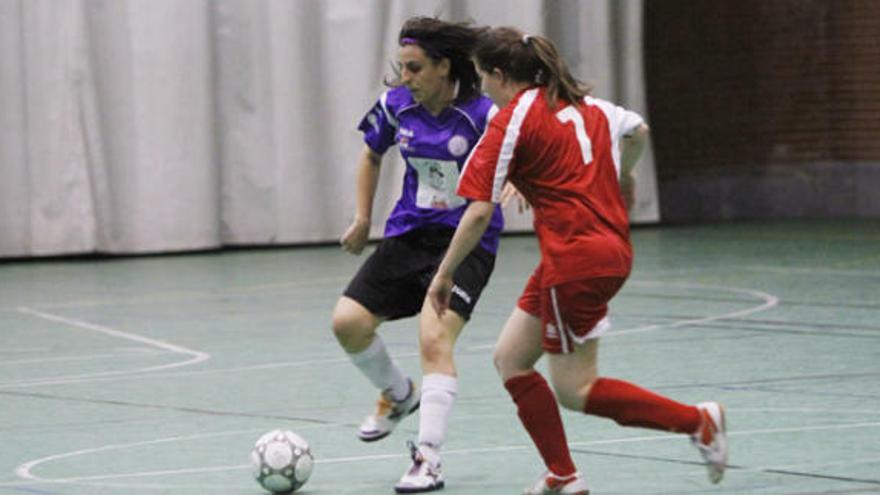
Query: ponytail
column 561, row 84
column 530, row 59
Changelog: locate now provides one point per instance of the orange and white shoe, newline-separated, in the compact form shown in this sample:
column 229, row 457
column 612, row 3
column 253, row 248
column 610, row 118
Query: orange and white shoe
column 389, row 413
column 550, row 484
column 711, row 439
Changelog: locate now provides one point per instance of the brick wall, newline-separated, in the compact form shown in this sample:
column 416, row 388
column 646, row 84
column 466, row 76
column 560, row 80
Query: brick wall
column 751, row 83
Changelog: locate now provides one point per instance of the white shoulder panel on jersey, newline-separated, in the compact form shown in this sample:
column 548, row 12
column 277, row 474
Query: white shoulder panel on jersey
column 383, row 102
column 622, row 122
column 493, row 110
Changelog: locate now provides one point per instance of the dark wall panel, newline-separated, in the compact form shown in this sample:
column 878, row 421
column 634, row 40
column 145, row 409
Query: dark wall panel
column 737, row 87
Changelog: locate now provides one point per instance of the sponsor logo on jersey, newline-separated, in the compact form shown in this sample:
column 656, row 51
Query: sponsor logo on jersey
column 551, row 331
column 461, row 293
column 457, row 145
column 403, row 138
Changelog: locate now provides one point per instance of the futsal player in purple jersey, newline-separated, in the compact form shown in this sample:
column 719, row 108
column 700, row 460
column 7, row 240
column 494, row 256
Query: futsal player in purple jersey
column 435, row 114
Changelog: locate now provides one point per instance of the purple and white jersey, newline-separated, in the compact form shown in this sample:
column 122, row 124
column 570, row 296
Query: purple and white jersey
column 434, row 149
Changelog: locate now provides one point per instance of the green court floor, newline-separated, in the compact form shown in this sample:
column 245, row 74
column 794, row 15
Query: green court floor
column 155, row 375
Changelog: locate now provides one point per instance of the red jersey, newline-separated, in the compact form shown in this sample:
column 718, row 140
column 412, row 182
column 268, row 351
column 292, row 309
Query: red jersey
column 565, row 162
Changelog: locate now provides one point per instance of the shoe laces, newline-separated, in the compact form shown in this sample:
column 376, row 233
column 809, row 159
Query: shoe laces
column 414, row 452
column 417, row 458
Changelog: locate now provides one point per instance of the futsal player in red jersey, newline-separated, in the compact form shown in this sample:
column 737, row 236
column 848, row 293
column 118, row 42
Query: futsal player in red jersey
column 567, row 153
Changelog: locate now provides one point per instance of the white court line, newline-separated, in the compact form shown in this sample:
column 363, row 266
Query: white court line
column 819, row 272
column 181, row 296
column 26, row 470
column 86, row 357
column 176, row 374
column 850, row 462
column 769, row 302
column 197, row 356
column 800, row 410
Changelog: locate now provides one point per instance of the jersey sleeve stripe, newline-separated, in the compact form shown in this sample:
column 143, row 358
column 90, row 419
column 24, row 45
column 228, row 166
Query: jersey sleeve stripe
column 383, row 101
column 468, row 118
column 508, row 145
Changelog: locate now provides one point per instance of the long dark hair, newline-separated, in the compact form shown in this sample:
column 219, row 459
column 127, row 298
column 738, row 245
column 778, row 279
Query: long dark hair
column 530, row 59
column 441, row 39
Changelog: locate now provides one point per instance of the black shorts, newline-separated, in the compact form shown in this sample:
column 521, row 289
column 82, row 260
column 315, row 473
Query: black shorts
column 393, row 281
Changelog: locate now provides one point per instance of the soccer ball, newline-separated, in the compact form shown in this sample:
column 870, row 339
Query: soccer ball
column 282, row 461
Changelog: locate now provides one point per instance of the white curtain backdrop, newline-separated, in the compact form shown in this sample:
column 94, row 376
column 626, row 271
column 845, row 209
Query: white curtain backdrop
column 138, row 126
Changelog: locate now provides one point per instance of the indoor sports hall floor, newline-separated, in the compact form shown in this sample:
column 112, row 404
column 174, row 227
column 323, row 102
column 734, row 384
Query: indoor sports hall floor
column 155, row 375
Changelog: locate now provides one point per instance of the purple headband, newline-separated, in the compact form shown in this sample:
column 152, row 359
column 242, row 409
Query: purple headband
column 408, row 41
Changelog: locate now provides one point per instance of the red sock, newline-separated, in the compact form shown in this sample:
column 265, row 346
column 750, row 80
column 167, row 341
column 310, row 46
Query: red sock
column 630, row 405
column 539, row 413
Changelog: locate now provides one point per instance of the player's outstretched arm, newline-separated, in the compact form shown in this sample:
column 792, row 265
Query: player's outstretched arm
column 358, row 233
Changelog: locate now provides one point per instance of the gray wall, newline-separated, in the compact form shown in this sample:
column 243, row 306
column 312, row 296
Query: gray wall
column 134, row 126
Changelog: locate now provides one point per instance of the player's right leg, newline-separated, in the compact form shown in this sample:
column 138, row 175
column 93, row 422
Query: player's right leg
column 355, row 328
column 516, row 352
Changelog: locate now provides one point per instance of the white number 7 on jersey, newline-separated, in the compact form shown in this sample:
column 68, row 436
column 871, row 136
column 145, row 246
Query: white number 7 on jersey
column 570, row 114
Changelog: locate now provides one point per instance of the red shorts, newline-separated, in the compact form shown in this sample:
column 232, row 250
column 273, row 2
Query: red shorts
column 571, row 313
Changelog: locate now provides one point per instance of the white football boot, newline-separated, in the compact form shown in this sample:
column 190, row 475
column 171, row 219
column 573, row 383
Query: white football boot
column 711, row 439
column 551, row 484
column 424, row 474
column 389, row 413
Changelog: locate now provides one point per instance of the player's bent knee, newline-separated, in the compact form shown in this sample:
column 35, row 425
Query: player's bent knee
column 352, row 330
column 571, row 401
column 499, row 359
column 507, row 365
column 573, row 398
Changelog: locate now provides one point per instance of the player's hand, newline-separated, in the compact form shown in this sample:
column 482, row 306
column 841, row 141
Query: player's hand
column 440, row 293
column 628, row 190
column 356, row 236
column 510, row 192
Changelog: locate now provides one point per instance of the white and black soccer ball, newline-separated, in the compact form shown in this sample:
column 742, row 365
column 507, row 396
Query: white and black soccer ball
column 282, row 461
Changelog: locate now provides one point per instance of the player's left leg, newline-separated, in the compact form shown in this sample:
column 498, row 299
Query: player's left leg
column 437, row 337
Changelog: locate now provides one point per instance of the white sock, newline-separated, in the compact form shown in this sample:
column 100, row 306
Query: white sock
column 438, row 395
column 375, row 363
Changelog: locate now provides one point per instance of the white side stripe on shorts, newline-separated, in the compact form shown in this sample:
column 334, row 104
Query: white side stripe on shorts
column 560, row 325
